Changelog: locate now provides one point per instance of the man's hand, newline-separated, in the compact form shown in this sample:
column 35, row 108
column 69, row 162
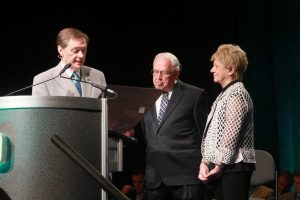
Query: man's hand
column 129, row 133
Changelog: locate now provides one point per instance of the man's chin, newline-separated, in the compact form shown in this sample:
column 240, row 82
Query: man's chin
column 158, row 88
column 77, row 66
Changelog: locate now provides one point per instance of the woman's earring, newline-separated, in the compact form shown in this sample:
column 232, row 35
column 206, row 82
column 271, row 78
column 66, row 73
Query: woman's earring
column 59, row 56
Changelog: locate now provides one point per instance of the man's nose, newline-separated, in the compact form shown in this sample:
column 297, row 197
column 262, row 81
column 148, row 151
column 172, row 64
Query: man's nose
column 80, row 54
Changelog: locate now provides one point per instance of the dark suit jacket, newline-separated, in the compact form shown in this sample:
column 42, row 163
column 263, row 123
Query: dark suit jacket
column 173, row 148
column 65, row 87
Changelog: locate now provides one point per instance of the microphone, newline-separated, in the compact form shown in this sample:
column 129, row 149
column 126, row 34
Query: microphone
column 30, row 86
column 105, row 89
column 100, row 87
column 65, row 68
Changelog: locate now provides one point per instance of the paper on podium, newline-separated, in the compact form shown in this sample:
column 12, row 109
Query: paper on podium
column 125, row 111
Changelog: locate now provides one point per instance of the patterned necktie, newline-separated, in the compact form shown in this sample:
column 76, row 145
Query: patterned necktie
column 76, row 83
column 163, row 106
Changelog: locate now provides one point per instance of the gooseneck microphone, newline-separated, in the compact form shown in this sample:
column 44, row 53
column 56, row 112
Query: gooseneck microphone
column 30, row 86
column 105, row 90
column 67, row 66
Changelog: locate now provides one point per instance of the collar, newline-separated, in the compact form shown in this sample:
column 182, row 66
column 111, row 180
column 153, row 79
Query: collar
column 230, row 84
column 69, row 71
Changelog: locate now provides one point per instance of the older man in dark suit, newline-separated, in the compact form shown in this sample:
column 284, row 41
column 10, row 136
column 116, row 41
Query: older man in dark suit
column 173, row 138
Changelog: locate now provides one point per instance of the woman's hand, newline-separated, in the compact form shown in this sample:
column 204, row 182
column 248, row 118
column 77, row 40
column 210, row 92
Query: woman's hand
column 215, row 171
column 203, row 172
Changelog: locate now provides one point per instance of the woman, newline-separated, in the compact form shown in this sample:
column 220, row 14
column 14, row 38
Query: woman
column 228, row 156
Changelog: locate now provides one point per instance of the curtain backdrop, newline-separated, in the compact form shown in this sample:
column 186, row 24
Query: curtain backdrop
column 286, row 50
column 269, row 31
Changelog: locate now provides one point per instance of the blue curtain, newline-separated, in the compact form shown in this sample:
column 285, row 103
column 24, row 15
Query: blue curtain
column 287, row 80
column 269, row 31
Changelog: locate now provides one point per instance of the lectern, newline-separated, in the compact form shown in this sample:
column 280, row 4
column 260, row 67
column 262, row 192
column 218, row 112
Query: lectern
column 36, row 168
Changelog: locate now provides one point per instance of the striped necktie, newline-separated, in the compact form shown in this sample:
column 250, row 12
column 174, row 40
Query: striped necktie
column 163, row 106
column 76, row 83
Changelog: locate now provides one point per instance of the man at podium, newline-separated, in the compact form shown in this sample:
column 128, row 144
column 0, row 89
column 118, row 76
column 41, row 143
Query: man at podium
column 173, row 131
column 70, row 77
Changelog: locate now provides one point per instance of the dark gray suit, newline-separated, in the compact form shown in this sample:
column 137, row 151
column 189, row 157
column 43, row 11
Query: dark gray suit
column 173, row 151
column 65, row 87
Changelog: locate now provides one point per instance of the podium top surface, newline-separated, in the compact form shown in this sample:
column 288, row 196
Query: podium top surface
column 14, row 102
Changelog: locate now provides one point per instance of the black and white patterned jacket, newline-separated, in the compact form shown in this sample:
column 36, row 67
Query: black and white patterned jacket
column 228, row 136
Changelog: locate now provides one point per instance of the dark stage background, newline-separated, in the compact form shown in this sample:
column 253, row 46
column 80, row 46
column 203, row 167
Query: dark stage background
column 126, row 36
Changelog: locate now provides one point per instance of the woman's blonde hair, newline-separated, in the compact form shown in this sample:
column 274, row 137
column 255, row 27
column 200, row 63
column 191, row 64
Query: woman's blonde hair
column 232, row 57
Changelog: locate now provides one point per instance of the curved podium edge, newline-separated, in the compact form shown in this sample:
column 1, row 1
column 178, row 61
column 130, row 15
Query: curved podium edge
column 14, row 102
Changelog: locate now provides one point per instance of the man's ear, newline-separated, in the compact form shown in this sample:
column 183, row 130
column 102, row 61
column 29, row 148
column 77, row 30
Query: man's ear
column 59, row 49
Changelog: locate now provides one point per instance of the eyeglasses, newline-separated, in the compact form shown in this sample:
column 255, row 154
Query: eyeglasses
column 164, row 74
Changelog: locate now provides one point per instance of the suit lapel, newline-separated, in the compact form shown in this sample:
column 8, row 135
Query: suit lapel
column 65, row 84
column 85, row 76
column 178, row 92
column 153, row 113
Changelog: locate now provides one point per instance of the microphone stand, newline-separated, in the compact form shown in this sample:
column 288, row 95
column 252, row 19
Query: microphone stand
column 104, row 90
column 30, row 86
column 88, row 168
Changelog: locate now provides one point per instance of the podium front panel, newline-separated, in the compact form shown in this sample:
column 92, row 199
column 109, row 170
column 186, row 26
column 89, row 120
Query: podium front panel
column 38, row 169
